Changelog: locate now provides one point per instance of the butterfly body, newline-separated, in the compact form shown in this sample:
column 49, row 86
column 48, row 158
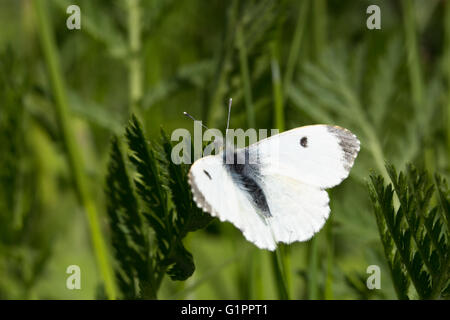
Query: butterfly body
column 274, row 190
column 247, row 176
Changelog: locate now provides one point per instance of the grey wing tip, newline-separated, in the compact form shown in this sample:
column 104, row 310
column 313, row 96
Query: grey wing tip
column 349, row 143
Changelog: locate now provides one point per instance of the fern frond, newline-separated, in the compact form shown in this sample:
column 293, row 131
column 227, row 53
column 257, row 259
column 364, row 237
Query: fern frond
column 189, row 217
column 127, row 234
column 153, row 187
column 159, row 203
column 149, row 182
column 414, row 236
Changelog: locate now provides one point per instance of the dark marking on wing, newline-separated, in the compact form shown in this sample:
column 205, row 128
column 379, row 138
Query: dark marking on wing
column 304, row 142
column 245, row 175
column 349, row 144
column 207, row 173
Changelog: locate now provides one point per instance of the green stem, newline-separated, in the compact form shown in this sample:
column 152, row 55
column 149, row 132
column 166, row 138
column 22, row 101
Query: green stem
column 277, row 89
column 277, row 264
column 286, row 266
column 134, row 63
column 373, row 143
column 280, row 258
column 447, row 64
column 415, row 74
column 294, row 52
column 257, row 281
column 71, row 146
column 313, row 287
column 245, row 75
column 215, row 111
column 320, row 34
column 330, row 259
column 319, row 25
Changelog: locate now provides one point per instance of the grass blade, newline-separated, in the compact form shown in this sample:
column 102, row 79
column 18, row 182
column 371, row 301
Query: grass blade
column 73, row 153
column 245, row 75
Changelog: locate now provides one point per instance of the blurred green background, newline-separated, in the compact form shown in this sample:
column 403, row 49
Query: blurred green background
column 64, row 93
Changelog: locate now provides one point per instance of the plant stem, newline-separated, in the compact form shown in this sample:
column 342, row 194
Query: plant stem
column 214, row 111
column 320, row 35
column 296, row 44
column 313, row 288
column 415, row 74
column 71, row 146
column 447, row 64
column 330, row 259
column 319, row 25
column 277, row 89
column 134, row 63
column 416, row 78
column 374, row 144
column 286, row 264
column 281, row 257
column 257, row 283
column 245, row 75
column 277, row 264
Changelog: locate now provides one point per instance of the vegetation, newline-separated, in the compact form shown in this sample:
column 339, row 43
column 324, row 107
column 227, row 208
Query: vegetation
column 414, row 236
column 85, row 173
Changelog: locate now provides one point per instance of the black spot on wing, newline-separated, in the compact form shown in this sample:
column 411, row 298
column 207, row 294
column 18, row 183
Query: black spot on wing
column 349, row 144
column 207, row 174
column 304, row 142
column 245, row 175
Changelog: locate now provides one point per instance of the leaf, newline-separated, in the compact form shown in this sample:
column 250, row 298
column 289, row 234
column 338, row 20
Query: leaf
column 127, row 235
column 24, row 248
column 189, row 216
column 181, row 263
column 150, row 217
column 414, row 236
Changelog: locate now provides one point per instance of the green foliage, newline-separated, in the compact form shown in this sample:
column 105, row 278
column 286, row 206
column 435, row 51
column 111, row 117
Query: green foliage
column 12, row 143
column 24, row 251
column 415, row 235
column 284, row 63
column 340, row 89
column 150, row 216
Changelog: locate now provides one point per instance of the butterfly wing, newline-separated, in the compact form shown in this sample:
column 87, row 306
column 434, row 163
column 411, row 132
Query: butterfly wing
column 317, row 155
column 291, row 171
column 215, row 192
column 298, row 210
column 295, row 168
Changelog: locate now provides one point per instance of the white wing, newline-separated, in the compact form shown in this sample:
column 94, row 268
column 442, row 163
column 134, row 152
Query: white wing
column 215, row 192
column 298, row 211
column 317, row 155
column 292, row 169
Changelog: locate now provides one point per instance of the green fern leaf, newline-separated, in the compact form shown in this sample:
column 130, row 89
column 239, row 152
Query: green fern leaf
column 189, row 216
column 127, row 235
column 150, row 216
column 414, row 236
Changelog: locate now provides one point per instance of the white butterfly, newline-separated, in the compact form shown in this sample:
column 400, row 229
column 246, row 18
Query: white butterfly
column 281, row 196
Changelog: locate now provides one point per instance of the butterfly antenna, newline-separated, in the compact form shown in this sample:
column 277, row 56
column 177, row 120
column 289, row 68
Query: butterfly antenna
column 229, row 112
column 193, row 119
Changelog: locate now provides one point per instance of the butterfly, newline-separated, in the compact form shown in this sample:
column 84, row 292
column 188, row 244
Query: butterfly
column 279, row 196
